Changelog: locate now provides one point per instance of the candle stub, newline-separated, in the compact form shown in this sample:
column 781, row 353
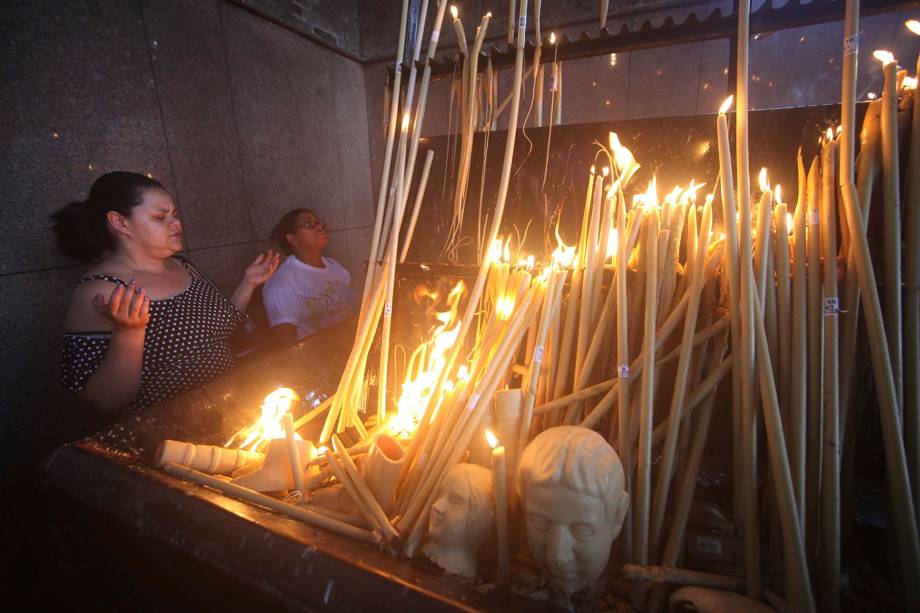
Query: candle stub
column 623, row 371
column 538, row 355
column 851, row 44
column 831, row 305
column 473, row 401
column 813, row 217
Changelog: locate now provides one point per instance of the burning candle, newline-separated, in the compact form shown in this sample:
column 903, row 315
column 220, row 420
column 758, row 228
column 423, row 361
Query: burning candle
column 647, row 402
column 762, row 238
column 830, row 462
column 730, row 246
column 783, row 294
column 293, row 453
column 499, row 482
column 891, row 215
column 798, row 394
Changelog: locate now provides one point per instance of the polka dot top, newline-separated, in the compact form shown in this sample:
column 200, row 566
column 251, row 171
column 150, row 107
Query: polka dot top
column 186, row 342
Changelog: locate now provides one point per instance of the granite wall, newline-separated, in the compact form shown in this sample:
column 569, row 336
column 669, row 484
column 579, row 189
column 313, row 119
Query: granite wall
column 240, row 119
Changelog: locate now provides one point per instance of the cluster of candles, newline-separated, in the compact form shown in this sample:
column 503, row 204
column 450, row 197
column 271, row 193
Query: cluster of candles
column 534, row 348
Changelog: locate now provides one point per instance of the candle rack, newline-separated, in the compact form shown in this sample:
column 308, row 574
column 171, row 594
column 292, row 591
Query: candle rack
column 793, row 14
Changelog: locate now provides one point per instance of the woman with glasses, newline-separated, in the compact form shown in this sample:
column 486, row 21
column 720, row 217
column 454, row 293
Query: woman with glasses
column 144, row 324
column 309, row 292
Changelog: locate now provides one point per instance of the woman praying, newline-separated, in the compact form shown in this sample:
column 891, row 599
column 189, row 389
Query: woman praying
column 143, row 324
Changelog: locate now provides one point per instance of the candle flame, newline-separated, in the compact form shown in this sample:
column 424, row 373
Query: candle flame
column 885, row 57
column 552, row 38
column 453, row 11
column 425, row 366
column 489, row 15
column 910, row 83
column 269, row 425
column 526, row 262
column 913, row 25
column 829, row 135
column 495, row 251
column 726, row 105
column 405, row 122
column 491, row 438
column 564, row 256
column 623, row 158
column 789, row 221
column 612, row 243
column 689, row 194
column 777, row 194
column 762, row 178
column 651, row 194
column 871, row 95
column 593, row 170
column 504, row 307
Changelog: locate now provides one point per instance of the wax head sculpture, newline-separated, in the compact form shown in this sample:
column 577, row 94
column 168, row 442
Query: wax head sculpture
column 571, row 487
column 461, row 519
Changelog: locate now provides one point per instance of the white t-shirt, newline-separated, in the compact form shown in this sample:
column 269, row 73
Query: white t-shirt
column 309, row 297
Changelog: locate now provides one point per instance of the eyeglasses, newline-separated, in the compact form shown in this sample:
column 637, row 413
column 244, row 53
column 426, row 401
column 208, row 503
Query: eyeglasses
column 312, row 225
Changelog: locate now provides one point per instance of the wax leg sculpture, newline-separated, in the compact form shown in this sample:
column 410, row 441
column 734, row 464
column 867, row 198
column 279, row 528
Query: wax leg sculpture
column 572, row 491
column 461, row 519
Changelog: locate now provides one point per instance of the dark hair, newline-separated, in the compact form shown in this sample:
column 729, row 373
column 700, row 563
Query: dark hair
column 81, row 229
column 287, row 225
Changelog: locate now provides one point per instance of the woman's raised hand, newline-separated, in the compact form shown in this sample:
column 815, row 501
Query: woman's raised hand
column 262, row 268
column 128, row 307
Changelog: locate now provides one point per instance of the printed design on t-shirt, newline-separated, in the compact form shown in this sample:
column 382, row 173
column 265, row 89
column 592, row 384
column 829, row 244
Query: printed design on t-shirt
column 335, row 296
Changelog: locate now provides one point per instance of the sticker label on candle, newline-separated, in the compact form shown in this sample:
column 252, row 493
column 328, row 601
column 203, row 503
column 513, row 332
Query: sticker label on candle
column 388, row 309
column 522, row 22
column 813, row 217
column 435, row 35
column 831, row 305
column 538, row 355
column 851, row 44
column 709, row 545
column 398, row 68
column 473, row 401
column 623, row 371
column 552, row 82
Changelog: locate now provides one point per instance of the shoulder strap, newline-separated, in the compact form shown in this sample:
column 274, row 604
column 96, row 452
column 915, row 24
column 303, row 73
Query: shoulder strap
column 196, row 272
column 108, row 278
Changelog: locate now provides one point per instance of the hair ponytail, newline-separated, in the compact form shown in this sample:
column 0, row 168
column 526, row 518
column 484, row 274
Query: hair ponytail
column 81, row 229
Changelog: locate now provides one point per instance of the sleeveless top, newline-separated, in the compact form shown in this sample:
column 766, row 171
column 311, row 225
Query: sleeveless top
column 186, row 342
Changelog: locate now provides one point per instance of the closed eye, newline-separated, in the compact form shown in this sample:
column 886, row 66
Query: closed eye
column 582, row 531
column 539, row 522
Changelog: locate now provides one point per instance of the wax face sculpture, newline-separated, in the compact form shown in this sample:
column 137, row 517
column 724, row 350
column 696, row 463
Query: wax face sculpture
column 571, row 486
column 461, row 519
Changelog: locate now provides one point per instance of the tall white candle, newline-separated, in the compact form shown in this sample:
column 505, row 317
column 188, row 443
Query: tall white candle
column 499, row 480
